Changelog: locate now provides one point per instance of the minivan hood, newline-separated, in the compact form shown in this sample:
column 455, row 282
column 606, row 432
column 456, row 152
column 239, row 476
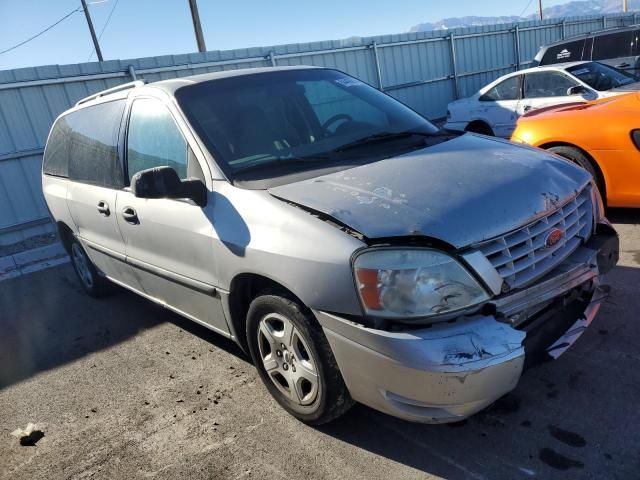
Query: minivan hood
column 463, row 191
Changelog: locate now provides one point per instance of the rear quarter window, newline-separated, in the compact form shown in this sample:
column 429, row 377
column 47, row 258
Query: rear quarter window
column 565, row 52
column 56, row 154
column 83, row 146
column 613, row 45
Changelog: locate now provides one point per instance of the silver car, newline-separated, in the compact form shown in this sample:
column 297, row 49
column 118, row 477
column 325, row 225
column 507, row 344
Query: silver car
column 354, row 250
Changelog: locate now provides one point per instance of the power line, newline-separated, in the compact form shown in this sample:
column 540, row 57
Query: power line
column 525, row 8
column 104, row 27
column 79, row 9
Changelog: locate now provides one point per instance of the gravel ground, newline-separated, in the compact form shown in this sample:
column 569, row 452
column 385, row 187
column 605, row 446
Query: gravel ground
column 124, row 389
column 28, row 244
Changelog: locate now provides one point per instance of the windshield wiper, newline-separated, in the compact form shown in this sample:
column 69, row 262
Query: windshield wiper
column 378, row 138
column 278, row 162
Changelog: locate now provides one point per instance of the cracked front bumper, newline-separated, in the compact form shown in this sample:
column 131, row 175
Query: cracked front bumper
column 446, row 372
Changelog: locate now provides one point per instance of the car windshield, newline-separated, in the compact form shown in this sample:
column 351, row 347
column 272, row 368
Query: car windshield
column 601, row 77
column 272, row 123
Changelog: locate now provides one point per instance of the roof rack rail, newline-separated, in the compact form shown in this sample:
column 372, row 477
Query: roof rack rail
column 124, row 86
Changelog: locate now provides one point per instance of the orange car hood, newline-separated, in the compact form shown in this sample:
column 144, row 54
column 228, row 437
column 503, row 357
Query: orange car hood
column 631, row 100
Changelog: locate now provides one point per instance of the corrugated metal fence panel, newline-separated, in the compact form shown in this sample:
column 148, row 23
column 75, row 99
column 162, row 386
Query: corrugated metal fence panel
column 415, row 62
column 23, row 207
column 532, row 40
column 429, row 100
column 476, row 54
column 417, row 68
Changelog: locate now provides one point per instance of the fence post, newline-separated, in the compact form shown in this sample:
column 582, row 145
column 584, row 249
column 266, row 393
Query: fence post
column 516, row 39
column 604, row 22
column 272, row 58
column 376, row 63
column 564, row 29
column 454, row 65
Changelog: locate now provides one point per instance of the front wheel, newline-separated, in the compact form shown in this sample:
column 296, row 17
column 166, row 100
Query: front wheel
column 579, row 158
column 294, row 360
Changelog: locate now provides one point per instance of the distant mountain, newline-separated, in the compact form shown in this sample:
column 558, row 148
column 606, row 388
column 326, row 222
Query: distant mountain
column 570, row 9
column 461, row 22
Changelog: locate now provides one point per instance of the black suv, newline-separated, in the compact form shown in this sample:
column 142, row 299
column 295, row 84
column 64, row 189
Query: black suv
column 617, row 47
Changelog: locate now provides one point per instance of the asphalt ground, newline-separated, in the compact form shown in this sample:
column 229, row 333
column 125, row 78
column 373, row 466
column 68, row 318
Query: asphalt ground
column 122, row 388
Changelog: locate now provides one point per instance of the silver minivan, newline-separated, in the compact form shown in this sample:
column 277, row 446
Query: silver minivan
column 353, row 249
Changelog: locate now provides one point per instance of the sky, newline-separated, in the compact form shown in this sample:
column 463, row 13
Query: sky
column 140, row 28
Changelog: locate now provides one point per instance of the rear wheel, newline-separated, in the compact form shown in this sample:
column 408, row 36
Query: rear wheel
column 294, row 360
column 579, row 158
column 92, row 282
column 481, row 128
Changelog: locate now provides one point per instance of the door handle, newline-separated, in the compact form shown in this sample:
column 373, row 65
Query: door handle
column 103, row 208
column 623, row 65
column 130, row 216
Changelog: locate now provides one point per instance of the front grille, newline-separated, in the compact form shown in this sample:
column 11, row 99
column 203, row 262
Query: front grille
column 521, row 257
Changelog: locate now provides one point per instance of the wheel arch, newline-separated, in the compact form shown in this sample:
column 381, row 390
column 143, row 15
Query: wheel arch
column 66, row 235
column 479, row 122
column 602, row 180
column 244, row 288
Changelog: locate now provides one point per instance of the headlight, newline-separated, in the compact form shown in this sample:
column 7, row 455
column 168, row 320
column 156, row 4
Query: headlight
column 410, row 283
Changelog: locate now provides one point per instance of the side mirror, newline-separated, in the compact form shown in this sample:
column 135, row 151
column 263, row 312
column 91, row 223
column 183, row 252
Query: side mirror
column 159, row 182
column 577, row 90
column 164, row 182
column 485, row 98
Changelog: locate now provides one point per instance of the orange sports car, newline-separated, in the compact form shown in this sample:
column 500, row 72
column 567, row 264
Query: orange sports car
column 602, row 136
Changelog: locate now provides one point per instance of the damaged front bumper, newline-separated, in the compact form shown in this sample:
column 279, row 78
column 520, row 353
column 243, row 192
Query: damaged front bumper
column 448, row 371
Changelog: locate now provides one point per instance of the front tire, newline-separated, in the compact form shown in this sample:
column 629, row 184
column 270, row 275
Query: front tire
column 294, row 360
column 579, row 158
column 94, row 284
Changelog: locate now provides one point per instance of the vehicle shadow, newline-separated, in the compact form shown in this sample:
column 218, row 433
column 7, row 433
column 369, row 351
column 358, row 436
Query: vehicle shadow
column 46, row 321
column 233, row 232
column 628, row 216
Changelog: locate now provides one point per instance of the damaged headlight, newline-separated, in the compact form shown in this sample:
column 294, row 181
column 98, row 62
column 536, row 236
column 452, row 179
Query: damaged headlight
column 410, row 283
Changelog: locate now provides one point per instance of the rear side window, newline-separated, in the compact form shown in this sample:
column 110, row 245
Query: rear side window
column 508, row 89
column 613, row 45
column 547, row 84
column 84, row 146
column 565, row 52
column 154, row 139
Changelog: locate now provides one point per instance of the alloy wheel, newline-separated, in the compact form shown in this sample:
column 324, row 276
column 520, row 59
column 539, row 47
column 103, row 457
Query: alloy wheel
column 81, row 262
column 287, row 359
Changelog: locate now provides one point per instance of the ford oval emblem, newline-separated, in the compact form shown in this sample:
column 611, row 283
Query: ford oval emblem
column 553, row 237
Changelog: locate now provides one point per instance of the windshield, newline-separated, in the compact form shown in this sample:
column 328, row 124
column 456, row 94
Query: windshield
column 601, row 77
column 273, row 122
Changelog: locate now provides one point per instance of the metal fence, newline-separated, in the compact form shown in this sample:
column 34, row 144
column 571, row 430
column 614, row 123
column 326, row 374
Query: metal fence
column 425, row 70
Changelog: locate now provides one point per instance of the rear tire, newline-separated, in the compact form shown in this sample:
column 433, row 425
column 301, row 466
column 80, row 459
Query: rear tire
column 578, row 157
column 94, row 284
column 294, row 360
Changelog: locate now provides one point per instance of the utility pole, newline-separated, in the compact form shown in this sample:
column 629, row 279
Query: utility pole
column 93, row 32
column 197, row 28
column 540, row 8
column 625, row 6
